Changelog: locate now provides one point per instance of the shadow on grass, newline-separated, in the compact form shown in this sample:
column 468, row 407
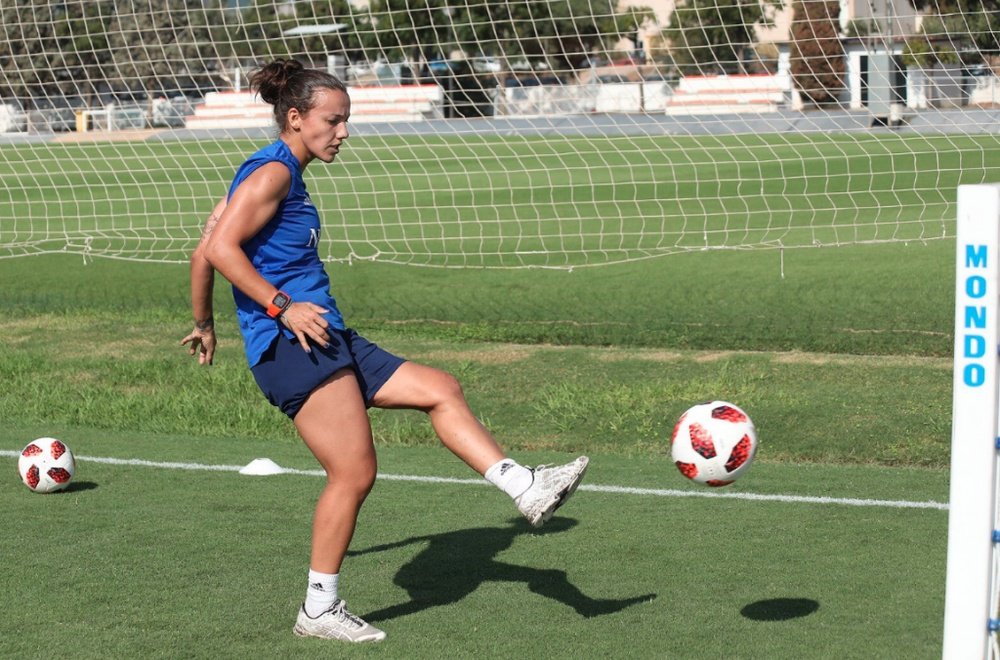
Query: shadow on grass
column 77, row 486
column 780, row 609
column 454, row 564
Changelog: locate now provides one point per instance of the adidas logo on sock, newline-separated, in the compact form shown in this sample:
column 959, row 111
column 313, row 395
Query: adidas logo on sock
column 505, row 467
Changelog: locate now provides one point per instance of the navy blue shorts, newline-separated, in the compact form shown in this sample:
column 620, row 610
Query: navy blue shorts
column 287, row 375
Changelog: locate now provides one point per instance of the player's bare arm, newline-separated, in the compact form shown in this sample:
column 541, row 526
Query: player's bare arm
column 201, row 339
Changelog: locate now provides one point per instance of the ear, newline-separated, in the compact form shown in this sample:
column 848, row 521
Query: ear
column 294, row 119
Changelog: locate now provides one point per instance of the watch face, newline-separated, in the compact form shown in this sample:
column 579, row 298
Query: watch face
column 280, row 300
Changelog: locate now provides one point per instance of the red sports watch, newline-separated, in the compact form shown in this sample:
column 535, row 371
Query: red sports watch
column 278, row 304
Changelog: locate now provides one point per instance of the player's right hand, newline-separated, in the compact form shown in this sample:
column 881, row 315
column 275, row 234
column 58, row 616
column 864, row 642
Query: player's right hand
column 306, row 320
column 202, row 344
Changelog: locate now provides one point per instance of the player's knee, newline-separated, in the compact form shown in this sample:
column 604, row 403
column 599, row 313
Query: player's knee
column 440, row 390
column 358, row 486
column 364, row 487
column 444, row 389
column 365, row 479
column 354, row 481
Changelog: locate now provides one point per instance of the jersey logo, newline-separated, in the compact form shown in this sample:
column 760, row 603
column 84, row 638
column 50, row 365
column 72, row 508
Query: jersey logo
column 313, row 238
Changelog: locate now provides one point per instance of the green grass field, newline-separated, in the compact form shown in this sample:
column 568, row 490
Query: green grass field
column 162, row 562
column 843, row 364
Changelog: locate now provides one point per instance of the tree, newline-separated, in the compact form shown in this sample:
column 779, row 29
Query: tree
column 955, row 31
column 817, row 55
column 159, row 46
column 52, row 49
column 83, row 49
column 713, row 36
column 561, row 33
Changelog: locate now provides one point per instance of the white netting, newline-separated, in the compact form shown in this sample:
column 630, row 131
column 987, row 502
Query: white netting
column 541, row 133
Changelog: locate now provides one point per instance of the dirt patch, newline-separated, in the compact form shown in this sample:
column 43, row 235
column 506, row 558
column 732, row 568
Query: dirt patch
column 45, row 323
column 99, row 338
column 649, row 355
column 714, row 356
column 820, row 359
column 500, row 355
column 892, row 331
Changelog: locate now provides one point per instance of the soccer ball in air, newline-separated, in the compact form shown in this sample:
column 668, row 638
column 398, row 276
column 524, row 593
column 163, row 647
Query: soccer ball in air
column 714, row 443
column 46, row 465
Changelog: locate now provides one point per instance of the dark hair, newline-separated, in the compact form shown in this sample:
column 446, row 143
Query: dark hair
column 286, row 84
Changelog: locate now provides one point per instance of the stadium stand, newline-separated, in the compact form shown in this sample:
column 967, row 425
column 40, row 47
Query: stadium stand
column 368, row 105
column 730, row 94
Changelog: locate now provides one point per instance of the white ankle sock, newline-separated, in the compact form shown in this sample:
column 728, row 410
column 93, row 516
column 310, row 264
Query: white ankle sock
column 509, row 477
column 321, row 594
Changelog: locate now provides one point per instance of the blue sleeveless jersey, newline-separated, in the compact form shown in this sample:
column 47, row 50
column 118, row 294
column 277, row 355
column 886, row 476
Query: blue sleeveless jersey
column 286, row 253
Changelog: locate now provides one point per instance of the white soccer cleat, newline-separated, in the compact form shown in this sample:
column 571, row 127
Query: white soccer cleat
column 337, row 623
column 551, row 486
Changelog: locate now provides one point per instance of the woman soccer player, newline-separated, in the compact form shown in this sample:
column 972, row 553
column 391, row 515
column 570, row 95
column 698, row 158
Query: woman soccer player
column 263, row 239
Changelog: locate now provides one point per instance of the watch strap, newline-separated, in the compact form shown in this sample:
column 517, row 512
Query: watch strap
column 278, row 304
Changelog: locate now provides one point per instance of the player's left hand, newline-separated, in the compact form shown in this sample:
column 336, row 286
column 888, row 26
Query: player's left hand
column 306, row 321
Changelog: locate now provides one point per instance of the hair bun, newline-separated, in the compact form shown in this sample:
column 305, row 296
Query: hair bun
column 274, row 77
column 291, row 67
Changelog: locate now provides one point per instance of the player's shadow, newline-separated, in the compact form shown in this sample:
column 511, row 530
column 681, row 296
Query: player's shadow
column 779, row 609
column 454, row 564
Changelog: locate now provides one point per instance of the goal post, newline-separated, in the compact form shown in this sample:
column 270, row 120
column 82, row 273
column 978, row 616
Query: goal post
column 971, row 617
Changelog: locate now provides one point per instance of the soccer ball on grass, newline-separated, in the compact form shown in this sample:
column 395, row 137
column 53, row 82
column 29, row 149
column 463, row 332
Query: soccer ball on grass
column 714, row 443
column 46, row 465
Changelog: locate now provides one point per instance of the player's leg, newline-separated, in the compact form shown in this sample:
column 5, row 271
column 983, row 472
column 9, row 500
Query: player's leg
column 537, row 492
column 440, row 395
column 334, row 424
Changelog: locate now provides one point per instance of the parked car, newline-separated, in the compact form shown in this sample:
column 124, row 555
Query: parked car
column 614, row 79
column 660, row 76
column 170, row 113
column 532, row 80
column 54, row 114
column 12, row 117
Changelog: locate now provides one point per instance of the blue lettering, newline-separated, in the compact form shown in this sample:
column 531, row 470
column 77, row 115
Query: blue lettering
column 975, row 346
column 974, row 375
column 975, row 317
column 975, row 256
column 975, row 286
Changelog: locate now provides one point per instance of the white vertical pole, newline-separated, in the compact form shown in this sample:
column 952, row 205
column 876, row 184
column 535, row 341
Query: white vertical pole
column 974, row 425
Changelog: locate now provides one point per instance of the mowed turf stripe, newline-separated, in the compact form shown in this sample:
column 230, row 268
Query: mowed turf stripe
column 618, row 490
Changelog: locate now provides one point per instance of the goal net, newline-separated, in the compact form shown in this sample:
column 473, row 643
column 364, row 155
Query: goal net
column 532, row 134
